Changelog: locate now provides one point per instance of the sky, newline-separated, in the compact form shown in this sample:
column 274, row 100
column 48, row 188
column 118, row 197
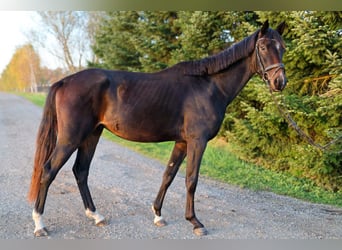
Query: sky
column 13, row 26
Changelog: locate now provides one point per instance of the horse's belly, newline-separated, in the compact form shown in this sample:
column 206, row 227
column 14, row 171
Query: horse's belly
column 143, row 130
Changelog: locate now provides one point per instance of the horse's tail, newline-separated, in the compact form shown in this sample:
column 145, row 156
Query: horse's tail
column 46, row 140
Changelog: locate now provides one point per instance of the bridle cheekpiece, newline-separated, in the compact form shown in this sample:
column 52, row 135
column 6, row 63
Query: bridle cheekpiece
column 264, row 70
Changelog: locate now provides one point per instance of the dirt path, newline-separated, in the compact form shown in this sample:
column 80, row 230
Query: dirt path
column 124, row 185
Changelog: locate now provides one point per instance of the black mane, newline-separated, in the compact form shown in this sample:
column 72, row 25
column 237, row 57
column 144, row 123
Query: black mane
column 213, row 64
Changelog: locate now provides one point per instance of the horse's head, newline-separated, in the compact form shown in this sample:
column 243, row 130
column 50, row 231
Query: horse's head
column 269, row 50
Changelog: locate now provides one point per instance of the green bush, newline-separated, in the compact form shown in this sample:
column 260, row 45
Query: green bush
column 258, row 132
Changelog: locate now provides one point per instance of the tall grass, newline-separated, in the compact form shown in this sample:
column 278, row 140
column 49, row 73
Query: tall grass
column 220, row 164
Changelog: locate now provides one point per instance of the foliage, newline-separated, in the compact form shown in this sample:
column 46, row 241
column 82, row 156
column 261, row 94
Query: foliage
column 202, row 34
column 149, row 41
column 22, row 71
column 157, row 37
column 253, row 126
column 114, row 44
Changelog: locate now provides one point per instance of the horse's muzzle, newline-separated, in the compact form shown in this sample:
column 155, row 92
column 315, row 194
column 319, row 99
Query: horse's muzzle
column 279, row 83
column 278, row 80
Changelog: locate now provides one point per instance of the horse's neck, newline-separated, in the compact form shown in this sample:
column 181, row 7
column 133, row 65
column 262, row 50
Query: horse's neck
column 231, row 81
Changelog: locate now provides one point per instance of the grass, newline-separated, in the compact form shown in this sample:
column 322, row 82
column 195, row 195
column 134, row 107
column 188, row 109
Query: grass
column 220, row 164
column 38, row 98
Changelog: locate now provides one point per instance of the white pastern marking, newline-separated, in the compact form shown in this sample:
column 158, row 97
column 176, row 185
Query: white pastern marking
column 94, row 215
column 157, row 219
column 38, row 221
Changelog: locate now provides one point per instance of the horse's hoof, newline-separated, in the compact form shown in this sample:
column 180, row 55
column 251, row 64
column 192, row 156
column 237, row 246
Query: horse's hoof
column 102, row 223
column 41, row 232
column 159, row 220
column 200, row 231
column 160, row 223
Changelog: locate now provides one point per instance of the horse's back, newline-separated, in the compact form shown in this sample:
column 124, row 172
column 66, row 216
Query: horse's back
column 136, row 106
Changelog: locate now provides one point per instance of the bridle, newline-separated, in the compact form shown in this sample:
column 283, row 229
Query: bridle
column 264, row 74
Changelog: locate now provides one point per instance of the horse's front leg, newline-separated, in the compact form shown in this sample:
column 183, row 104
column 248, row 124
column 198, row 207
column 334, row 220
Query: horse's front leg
column 176, row 159
column 195, row 152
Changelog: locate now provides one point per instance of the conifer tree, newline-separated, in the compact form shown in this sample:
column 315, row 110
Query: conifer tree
column 115, row 41
column 158, row 37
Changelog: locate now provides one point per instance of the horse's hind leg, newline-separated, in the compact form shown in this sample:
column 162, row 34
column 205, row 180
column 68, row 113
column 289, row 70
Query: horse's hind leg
column 58, row 157
column 84, row 156
column 177, row 157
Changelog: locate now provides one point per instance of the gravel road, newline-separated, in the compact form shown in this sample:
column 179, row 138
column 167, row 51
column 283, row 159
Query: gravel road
column 124, row 184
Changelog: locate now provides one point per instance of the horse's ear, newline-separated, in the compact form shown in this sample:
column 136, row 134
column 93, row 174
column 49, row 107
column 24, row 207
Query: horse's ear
column 281, row 28
column 264, row 28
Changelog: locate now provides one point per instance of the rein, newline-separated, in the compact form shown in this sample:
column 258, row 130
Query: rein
column 300, row 132
column 285, row 113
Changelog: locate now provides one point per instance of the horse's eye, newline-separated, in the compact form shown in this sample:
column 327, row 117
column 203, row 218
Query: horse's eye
column 263, row 47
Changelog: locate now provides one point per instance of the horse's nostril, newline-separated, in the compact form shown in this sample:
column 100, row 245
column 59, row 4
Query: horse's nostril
column 276, row 83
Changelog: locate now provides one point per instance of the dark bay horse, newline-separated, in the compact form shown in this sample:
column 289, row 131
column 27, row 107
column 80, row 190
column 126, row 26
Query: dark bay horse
column 185, row 103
